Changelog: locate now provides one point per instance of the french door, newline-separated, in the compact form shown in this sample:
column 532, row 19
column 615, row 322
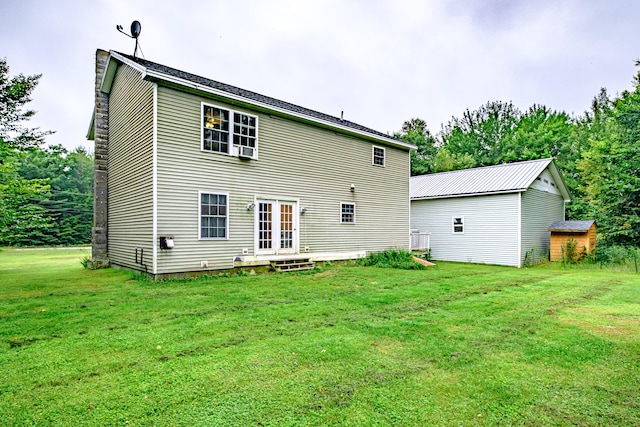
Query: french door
column 276, row 227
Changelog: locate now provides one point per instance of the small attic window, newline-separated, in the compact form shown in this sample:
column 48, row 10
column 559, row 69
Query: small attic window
column 553, row 184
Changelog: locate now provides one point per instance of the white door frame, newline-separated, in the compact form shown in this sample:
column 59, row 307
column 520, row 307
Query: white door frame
column 271, row 241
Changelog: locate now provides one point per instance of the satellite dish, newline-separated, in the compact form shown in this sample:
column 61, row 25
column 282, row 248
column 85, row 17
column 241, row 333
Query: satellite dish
column 135, row 29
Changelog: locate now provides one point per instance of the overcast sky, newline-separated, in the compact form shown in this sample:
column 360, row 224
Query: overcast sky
column 381, row 62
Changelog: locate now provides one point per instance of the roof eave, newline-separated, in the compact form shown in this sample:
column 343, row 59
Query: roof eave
column 154, row 75
column 557, row 177
column 488, row 193
column 92, row 128
column 158, row 76
column 107, row 81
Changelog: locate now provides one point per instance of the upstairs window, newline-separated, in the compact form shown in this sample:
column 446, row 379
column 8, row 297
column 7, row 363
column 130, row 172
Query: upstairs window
column 244, row 130
column 378, row 156
column 458, row 225
column 225, row 131
column 347, row 213
column 215, row 136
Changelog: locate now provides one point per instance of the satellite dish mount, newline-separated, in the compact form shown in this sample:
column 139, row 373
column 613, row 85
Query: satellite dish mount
column 136, row 28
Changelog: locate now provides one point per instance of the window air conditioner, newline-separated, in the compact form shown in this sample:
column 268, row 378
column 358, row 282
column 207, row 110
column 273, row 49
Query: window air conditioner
column 246, row 152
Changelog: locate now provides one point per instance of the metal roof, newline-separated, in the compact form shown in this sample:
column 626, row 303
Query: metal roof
column 502, row 178
column 155, row 71
column 571, row 226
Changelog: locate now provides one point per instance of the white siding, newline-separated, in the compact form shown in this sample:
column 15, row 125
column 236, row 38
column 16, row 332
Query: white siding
column 296, row 161
column 130, row 217
column 490, row 228
column 539, row 210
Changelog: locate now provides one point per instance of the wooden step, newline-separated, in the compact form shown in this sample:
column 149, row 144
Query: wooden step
column 292, row 264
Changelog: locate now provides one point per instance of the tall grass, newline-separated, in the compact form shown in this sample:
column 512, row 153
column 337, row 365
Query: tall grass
column 392, row 258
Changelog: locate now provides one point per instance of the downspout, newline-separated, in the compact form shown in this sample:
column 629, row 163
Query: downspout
column 154, row 167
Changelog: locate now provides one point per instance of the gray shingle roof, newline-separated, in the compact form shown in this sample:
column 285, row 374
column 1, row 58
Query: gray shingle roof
column 571, row 226
column 253, row 96
column 503, row 178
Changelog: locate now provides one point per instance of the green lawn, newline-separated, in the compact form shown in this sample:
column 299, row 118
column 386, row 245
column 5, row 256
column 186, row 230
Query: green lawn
column 454, row 345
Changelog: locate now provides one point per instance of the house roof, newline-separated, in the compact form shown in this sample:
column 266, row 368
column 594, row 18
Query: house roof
column 571, row 226
column 192, row 82
column 502, row 178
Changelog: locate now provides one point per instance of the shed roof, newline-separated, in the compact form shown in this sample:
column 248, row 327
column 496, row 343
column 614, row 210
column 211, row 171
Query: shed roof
column 502, row 178
column 571, row 226
column 172, row 76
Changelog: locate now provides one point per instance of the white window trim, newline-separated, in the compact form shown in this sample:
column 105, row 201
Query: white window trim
column 219, row 193
column 354, row 212
column 384, row 156
column 232, row 113
column 453, row 225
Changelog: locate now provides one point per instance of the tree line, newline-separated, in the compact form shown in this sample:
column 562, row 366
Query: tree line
column 598, row 153
column 46, row 193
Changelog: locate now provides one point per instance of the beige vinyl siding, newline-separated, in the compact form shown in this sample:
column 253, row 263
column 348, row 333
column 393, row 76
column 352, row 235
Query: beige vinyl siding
column 539, row 210
column 490, row 228
column 296, row 162
column 130, row 219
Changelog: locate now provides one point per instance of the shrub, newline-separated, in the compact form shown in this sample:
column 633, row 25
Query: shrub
column 571, row 253
column 614, row 254
column 392, row 258
column 86, row 262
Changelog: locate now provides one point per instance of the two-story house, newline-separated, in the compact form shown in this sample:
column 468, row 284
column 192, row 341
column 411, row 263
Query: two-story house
column 195, row 175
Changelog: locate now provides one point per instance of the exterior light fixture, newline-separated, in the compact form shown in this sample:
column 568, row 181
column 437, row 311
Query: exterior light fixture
column 251, row 206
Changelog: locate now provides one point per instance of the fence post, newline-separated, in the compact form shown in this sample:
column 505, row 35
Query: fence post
column 600, row 256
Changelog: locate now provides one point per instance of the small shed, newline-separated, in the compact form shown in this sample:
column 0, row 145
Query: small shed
column 583, row 232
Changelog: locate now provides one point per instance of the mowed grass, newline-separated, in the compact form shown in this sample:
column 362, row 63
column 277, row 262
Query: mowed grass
column 455, row 344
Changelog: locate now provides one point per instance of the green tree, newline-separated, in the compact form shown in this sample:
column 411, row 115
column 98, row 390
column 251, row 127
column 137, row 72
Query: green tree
column 69, row 201
column 415, row 131
column 445, row 161
column 15, row 93
column 538, row 133
column 18, row 217
column 611, row 166
column 483, row 133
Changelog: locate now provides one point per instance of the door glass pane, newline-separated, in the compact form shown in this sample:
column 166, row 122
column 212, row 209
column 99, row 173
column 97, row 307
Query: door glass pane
column 264, row 225
column 286, row 226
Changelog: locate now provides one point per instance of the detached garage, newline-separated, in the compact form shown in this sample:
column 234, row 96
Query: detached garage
column 491, row 215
